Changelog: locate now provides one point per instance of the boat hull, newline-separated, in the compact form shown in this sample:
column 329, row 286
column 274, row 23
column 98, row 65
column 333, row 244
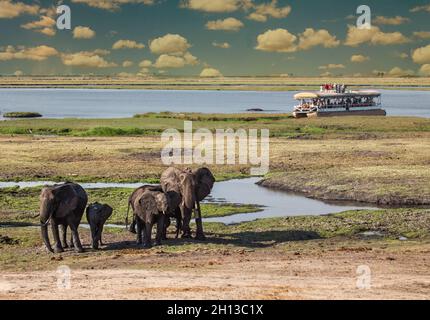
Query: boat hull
column 375, row 112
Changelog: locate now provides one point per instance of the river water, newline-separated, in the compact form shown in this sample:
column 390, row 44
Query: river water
column 108, row 103
column 243, row 191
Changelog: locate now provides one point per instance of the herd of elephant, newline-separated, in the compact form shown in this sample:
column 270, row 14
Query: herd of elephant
column 178, row 196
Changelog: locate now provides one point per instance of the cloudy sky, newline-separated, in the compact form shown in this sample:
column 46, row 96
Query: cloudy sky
column 214, row 38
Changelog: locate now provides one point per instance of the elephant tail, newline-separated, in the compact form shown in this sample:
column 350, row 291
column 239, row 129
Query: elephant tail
column 128, row 211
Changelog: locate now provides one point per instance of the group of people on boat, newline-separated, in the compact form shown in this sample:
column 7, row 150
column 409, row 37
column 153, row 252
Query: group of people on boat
column 352, row 102
column 338, row 88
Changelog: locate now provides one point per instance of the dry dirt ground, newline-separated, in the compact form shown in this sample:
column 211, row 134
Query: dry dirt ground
column 278, row 273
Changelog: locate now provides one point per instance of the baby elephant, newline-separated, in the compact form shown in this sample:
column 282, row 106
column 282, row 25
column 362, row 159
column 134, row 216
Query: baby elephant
column 149, row 208
column 97, row 215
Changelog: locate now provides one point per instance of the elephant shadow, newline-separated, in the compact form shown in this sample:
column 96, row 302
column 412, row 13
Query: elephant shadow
column 248, row 239
column 251, row 239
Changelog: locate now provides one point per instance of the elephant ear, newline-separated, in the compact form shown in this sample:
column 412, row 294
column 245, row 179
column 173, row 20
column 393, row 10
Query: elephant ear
column 106, row 212
column 204, row 182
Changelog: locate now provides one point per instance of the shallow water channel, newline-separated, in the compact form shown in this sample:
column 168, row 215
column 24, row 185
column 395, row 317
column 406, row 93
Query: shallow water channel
column 242, row 191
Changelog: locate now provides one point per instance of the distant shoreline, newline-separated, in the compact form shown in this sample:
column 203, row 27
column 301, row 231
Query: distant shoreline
column 227, row 83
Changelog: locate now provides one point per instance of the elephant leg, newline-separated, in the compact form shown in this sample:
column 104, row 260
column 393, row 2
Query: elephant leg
column 76, row 241
column 45, row 237
column 166, row 226
column 139, row 228
column 160, row 229
column 57, row 246
column 100, row 234
column 147, row 235
column 63, row 229
column 178, row 226
column 94, row 239
column 186, row 218
column 199, row 232
column 133, row 225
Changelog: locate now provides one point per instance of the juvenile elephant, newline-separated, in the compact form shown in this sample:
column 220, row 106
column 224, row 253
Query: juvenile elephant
column 62, row 204
column 97, row 215
column 188, row 188
column 149, row 208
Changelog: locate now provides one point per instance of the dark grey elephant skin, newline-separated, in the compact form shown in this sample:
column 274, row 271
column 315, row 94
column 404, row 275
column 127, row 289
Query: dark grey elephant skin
column 62, row 204
column 188, row 188
column 97, row 215
column 172, row 202
column 150, row 208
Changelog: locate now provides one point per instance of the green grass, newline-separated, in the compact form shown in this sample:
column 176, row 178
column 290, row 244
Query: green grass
column 281, row 125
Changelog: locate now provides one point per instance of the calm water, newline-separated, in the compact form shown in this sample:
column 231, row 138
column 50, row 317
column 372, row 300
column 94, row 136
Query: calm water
column 104, row 103
column 244, row 191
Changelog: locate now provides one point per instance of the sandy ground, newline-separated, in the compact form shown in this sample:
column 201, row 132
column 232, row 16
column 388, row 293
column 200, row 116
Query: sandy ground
column 274, row 274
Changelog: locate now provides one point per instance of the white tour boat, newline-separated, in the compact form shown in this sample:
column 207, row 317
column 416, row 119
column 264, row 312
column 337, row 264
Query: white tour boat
column 335, row 100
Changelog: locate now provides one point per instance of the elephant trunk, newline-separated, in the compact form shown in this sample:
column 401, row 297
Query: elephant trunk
column 46, row 213
column 45, row 237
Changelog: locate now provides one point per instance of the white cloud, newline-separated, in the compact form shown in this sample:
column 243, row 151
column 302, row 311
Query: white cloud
column 228, row 24
column 359, row 58
column 399, row 72
column 279, row 40
column 87, row 59
column 112, row 4
column 223, row 45
column 214, row 6
column 332, row 66
column 421, row 8
column 421, row 55
column 145, row 64
column 127, row 63
column 127, row 44
column 12, row 9
column 39, row 53
column 425, row 70
column 311, row 38
column 81, row 32
column 169, row 44
column 45, row 26
column 265, row 10
column 167, row 61
column 393, row 21
column 374, row 35
column 422, row 34
column 210, row 73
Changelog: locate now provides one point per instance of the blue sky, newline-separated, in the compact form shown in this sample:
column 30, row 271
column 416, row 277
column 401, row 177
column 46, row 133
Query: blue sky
column 263, row 38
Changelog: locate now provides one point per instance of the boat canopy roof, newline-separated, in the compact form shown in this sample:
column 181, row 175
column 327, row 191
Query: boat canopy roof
column 329, row 95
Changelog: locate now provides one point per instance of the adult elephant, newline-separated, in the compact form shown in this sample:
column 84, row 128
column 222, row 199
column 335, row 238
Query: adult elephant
column 62, row 204
column 188, row 187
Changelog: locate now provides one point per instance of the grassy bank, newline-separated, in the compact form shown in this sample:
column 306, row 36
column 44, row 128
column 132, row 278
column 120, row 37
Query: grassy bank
column 378, row 160
column 19, row 115
column 280, row 125
column 22, row 249
column 22, row 205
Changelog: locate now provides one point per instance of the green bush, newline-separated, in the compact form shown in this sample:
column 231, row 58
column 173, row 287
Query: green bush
column 22, row 115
